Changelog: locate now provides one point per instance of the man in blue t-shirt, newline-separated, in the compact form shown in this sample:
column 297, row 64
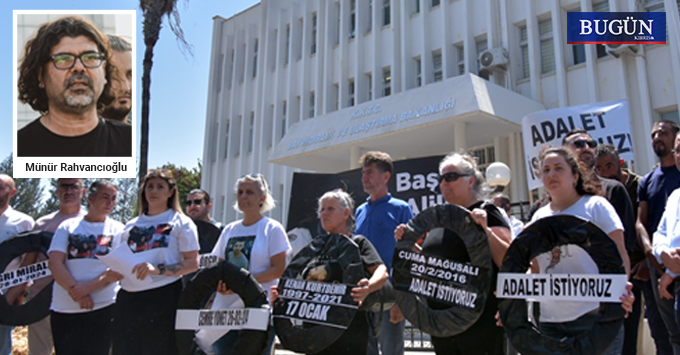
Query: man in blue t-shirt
column 377, row 219
column 653, row 192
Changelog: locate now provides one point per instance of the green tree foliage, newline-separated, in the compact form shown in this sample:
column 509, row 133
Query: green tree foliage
column 28, row 198
column 126, row 202
column 186, row 179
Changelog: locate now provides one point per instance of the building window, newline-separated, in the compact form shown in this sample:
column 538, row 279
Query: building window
column 298, row 48
column 578, row 51
column 287, row 44
column 419, row 72
column 658, row 6
column 255, row 58
column 244, row 61
column 350, row 89
column 337, row 23
column 437, row 71
column 370, row 16
column 283, row 119
column 231, row 67
column 602, row 6
column 237, row 137
column 311, row 104
column 313, row 33
column 673, row 116
column 251, row 132
column 336, row 89
column 460, row 53
column 369, row 80
column 386, row 81
column 524, row 52
column 416, row 6
column 226, row 141
column 213, row 144
column 547, row 47
column 481, row 45
column 386, row 12
column 352, row 18
column 434, row 3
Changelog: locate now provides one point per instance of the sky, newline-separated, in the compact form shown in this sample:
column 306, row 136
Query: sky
column 179, row 82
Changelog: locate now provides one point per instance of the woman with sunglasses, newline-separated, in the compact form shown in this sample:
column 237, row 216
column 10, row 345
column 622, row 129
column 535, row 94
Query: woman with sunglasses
column 144, row 321
column 573, row 191
column 259, row 239
column 85, row 289
column 336, row 212
column 463, row 184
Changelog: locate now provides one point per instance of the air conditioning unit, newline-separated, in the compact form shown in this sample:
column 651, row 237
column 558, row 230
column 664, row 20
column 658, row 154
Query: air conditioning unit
column 616, row 49
column 493, row 58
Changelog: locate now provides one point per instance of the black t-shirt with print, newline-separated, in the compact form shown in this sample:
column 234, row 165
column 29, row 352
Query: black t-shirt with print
column 109, row 138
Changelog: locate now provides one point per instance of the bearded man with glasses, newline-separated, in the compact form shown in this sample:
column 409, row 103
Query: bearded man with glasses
column 65, row 74
column 198, row 204
column 583, row 146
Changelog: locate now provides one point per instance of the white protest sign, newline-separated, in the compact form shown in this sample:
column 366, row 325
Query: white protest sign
column 606, row 122
column 230, row 319
column 25, row 274
column 122, row 260
column 562, row 287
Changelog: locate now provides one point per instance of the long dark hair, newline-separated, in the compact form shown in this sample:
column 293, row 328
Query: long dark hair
column 586, row 184
column 173, row 201
column 37, row 55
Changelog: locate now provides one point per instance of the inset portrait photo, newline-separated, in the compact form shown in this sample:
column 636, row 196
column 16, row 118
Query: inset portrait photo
column 74, row 82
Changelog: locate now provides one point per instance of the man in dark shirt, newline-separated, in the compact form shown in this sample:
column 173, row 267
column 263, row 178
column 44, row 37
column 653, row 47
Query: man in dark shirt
column 608, row 164
column 583, row 147
column 65, row 75
column 653, row 192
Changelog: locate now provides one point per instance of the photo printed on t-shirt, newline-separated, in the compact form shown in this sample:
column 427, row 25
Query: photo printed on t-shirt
column 82, row 246
column 151, row 237
column 238, row 251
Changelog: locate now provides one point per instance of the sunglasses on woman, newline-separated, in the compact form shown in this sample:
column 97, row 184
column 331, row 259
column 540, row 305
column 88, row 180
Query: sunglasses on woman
column 452, row 176
column 580, row 143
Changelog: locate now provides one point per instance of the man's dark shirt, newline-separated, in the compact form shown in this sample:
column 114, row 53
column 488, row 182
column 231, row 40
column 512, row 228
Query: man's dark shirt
column 618, row 196
column 111, row 139
column 632, row 184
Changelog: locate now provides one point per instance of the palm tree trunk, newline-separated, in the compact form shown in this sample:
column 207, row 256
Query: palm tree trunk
column 153, row 15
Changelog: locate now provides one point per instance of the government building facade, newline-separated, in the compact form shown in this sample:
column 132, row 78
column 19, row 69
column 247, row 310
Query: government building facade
column 311, row 85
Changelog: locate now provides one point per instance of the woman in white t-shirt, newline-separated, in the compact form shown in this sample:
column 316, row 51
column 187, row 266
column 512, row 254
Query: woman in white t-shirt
column 261, row 240
column 85, row 289
column 167, row 241
column 575, row 192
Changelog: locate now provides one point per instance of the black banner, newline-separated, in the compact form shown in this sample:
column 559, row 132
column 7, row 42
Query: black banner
column 438, row 279
column 413, row 180
column 322, row 303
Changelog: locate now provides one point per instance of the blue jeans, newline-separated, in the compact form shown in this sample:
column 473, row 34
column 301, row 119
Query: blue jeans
column 617, row 346
column 391, row 337
column 6, row 339
column 579, row 326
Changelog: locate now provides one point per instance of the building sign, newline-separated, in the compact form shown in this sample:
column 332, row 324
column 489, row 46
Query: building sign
column 607, row 122
column 369, row 123
column 616, row 27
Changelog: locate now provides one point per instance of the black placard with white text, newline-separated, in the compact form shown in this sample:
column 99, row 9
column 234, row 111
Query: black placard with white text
column 322, row 303
column 438, row 279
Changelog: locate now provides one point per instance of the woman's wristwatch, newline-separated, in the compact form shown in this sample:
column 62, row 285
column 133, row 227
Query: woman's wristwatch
column 161, row 269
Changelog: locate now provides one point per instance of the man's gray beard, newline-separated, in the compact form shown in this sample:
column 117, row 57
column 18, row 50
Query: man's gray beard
column 78, row 103
column 115, row 113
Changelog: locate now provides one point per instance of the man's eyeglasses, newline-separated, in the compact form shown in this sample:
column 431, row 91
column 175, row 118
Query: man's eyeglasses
column 452, row 176
column 64, row 61
column 162, row 172
column 580, row 143
column 196, row 202
column 66, row 187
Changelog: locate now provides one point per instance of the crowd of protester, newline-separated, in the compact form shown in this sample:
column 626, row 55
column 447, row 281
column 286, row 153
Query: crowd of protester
column 96, row 310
